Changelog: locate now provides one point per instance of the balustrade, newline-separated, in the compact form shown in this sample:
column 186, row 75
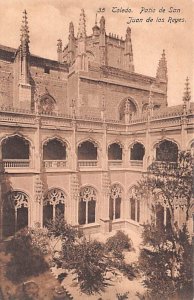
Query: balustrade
column 87, row 163
column 16, row 163
column 53, row 164
column 115, row 163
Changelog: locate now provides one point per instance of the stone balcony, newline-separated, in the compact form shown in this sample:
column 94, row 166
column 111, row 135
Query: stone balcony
column 115, row 163
column 55, row 164
column 87, row 163
column 15, row 163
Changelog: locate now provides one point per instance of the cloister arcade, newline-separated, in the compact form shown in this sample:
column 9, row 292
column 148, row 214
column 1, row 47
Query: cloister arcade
column 16, row 151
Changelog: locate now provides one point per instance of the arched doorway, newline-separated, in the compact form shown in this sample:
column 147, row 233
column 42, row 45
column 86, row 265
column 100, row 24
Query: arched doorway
column 15, row 212
column 53, row 205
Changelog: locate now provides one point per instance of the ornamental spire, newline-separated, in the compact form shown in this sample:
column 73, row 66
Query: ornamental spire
column 187, row 92
column 71, row 30
column 25, row 40
column 82, row 25
column 161, row 74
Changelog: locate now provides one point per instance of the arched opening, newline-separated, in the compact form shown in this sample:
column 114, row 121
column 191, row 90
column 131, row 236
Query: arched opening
column 115, row 202
column 127, row 106
column 54, row 150
column 137, row 152
column 15, row 147
column 114, row 152
column 87, row 151
column 163, row 217
column 53, row 205
column 134, row 209
column 47, row 104
column 87, row 206
column 167, row 151
column 156, row 106
column 145, row 107
column 15, row 212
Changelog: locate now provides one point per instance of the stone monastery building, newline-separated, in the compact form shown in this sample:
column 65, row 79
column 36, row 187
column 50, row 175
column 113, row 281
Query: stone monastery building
column 77, row 133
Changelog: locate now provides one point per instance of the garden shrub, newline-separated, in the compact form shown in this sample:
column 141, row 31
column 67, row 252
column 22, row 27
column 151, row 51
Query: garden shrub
column 119, row 242
column 26, row 260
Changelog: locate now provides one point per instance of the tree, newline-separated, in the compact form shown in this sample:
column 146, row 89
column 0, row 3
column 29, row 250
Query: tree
column 26, row 259
column 167, row 254
column 90, row 262
column 173, row 180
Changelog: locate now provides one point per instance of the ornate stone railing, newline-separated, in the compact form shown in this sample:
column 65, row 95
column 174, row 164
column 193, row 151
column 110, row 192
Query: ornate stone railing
column 87, row 163
column 115, row 163
column 16, row 163
column 136, row 163
column 53, row 164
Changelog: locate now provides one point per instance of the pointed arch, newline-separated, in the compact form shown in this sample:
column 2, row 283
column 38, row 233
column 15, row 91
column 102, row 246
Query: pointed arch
column 87, row 205
column 166, row 150
column 16, row 208
column 15, row 146
column 47, row 104
column 54, row 202
column 116, row 195
column 54, row 148
column 128, row 105
column 134, row 204
column 87, row 150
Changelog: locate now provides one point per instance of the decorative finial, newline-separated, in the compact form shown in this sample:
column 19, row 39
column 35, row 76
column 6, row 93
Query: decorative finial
column 82, row 25
column 59, row 45
column 24, row 33
column 162, row 68
column 71, row 29
column 128, row 33
column 96, row 20
column 102, row 24
column 187, row 92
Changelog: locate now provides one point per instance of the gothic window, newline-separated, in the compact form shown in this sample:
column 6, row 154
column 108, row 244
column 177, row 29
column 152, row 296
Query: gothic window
column 115, row 202
column 163, row 217
column 167, row 151
column 127, row 106
column 15, row 147
column 137, row 152
column 54, row 150
column 15, row 212
column 47, row 104
column 53, row 205
column 134, row 205
column 87, row 151
column 114, row 152
column 87, row 206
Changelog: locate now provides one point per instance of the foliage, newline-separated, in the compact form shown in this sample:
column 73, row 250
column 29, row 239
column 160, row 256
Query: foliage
column 59, row 228
column 166, row 262
column 117, row 243
column 39, row 238
column 26, row 259
column 172, row 180
column 88, row 260
column 123, row 296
